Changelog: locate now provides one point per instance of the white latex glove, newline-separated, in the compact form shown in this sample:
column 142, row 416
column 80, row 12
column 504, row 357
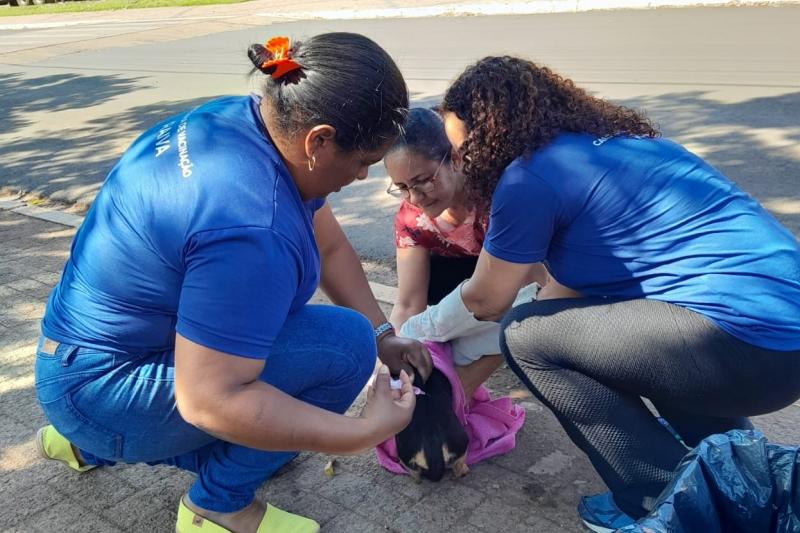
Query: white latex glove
column 527, row 294
column 444, row 321
column 450, row 320
column 473, row 345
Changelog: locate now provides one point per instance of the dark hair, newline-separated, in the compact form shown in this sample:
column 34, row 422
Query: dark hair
column 345, row 80
column 423, row 134
column 513, row 107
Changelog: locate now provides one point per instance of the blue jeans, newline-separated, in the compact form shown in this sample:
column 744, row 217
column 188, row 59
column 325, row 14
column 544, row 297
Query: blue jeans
column 119, row 407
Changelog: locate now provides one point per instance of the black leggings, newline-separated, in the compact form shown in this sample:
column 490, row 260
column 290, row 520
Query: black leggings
column 590, row 361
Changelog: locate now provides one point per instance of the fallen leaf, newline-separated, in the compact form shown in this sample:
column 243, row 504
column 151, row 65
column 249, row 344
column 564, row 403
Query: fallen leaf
column 329, row 468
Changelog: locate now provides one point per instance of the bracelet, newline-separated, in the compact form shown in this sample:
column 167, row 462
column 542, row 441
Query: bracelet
column 381, row 329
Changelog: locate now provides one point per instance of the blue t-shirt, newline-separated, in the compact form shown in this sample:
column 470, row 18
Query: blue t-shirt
column 198, row 229
column 627, row 217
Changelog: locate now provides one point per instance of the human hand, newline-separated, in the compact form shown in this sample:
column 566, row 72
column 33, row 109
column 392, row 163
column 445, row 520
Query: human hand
column 388, row 410
column 400, row 353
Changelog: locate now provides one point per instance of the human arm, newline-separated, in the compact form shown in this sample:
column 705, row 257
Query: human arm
column 493, row 287
column 343, row 280
column 413, row 276
column 524, row 214
column 474, row 374
column 222, row 395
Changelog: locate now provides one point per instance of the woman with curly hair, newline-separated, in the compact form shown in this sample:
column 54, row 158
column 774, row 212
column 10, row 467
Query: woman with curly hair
column 691, row 289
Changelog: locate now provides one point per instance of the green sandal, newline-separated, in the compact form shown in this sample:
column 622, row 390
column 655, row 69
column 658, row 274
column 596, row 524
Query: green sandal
column 275, row 521
column 54, row 446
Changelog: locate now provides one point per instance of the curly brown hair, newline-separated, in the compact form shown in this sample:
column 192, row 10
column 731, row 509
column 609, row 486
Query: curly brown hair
column 513, row 107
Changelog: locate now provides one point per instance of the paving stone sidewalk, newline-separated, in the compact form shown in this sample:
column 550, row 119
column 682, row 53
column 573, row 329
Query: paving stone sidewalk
column 534, row 488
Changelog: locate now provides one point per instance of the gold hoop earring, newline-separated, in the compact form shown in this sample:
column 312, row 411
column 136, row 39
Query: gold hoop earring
column 312, row 163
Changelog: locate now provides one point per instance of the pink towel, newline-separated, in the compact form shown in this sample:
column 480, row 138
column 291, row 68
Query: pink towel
column 492, row 425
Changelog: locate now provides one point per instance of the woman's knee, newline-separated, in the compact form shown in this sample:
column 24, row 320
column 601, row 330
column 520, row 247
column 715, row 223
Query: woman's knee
column 512, row 336
column 351, row 334
column 362, row 344
column 322, row 345
column 523, row 332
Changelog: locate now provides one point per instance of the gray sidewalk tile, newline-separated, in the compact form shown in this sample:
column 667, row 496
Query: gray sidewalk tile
column 20, row 404
column 99, row 489
column 16, row 365
column 360, row 495
column 19, row 342
column 353, row 524
column 783, row 426
column 48, row 278
column 496, row 515
column 490, row 477
column 10, row 274
column 25, row 284
column 160, row 520
column 21, row 464
column 317, row 508
column 69, row 517
column 7, row 294
column 143, row 476
column 441, row 510
column 396, row 484
column 145, row 505
column 30, row 497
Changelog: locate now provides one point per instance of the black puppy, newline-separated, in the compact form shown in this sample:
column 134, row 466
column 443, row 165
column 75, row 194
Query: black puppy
column 435, row 440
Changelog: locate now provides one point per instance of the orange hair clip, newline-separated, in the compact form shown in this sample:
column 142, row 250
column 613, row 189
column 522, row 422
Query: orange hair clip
column 278, row 47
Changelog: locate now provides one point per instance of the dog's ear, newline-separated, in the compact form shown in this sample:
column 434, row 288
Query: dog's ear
column 460, row 468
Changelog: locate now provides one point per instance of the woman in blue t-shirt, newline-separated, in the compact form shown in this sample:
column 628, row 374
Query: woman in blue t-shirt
column 691, row 289
column 180, row 331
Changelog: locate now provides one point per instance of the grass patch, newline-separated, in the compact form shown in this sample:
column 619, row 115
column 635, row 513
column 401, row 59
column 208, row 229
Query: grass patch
column 104, row 5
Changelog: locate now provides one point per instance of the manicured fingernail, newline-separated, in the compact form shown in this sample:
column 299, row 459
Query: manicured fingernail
column 403, row 371
column 384, row 369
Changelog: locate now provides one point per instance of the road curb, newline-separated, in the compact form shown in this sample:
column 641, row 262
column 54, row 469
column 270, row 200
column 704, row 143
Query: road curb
column 454, row 9
column 383, row 293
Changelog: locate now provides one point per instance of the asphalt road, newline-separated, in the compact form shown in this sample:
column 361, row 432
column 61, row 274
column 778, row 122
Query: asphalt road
column 723, row 81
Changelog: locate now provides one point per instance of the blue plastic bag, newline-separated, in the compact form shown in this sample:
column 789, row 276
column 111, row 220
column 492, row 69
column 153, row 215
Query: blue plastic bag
column 736, row 482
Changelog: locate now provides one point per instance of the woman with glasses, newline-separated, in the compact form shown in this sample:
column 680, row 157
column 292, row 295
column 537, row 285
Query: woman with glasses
column 438, row 237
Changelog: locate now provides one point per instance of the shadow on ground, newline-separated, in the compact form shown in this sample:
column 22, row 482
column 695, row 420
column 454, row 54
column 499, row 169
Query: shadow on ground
column 69, row 164
column 20, row 97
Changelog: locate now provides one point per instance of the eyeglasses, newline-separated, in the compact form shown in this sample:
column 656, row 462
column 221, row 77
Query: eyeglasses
column 422, row 187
